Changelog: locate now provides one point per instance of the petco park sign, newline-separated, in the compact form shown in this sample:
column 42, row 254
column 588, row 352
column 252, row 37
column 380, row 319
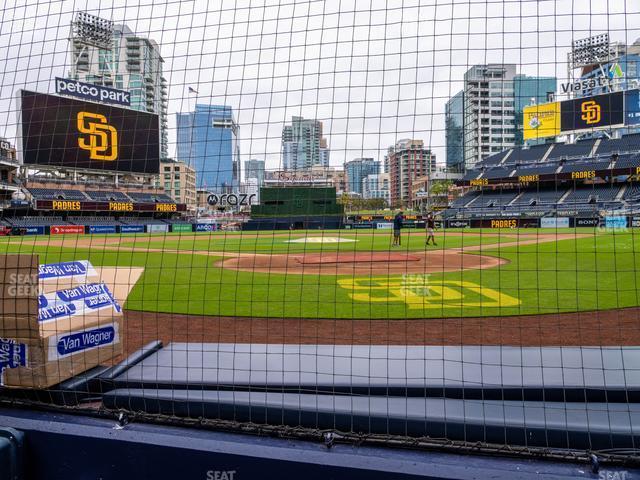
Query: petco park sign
column 231, row 199
column 94, row 93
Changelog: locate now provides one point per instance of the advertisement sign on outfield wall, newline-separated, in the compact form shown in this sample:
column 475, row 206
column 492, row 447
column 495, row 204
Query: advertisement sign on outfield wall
column 458, row 224
column 132, row 229
column 34, row 230
column 384, row 225
column 554, row 222
column 157, row 228
column 506, row 223
column 102, row 229
column 206, row 227
column 66, row 229
column 615, row 221
column 182, row 227
column 635, row 222
column 587, row 222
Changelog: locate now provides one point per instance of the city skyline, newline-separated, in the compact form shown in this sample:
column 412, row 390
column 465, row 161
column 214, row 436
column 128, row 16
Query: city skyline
column 406, row 88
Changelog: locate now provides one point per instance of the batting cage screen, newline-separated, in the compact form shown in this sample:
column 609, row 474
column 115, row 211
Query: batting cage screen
column 409, row 224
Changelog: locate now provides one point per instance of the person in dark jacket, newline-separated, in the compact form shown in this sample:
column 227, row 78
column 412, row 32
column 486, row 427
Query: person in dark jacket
column 397, row 226
column 431, row 228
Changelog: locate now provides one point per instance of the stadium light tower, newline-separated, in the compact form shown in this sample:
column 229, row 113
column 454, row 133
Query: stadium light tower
column 90, row 30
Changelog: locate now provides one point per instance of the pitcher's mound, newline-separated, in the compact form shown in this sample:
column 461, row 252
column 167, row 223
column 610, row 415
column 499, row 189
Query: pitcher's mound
column 365, row 263
column 354, row 257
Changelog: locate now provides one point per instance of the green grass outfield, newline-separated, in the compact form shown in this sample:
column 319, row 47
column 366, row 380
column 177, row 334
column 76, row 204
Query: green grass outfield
column 599, row 271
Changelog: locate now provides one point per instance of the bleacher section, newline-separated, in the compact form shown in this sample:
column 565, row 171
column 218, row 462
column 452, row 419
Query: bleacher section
column 553, row 178
column 139, row 221
column 87, row 220
column 150, row 197
column 57, row 194
column 626, row 144
column 593, row 194
column 530, row 155
column 34, row 221
column 537, row 197
column 575, row 150
column 104, row 196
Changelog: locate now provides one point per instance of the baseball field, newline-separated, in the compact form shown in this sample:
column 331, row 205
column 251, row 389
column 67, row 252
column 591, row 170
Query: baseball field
column 357, row 274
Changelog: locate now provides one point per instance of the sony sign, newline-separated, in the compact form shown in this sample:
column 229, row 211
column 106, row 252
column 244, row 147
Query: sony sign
column 95, row 93
column 231, row 199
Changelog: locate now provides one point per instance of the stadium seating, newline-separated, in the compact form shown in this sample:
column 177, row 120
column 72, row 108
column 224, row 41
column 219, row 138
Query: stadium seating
column 498, row 172
column 494, row 198
column 87, row 220
column 529, row 155
column 537, row 169
column 625, row 144
column 34, row 221
column 627, row 161
column 571, row 150
column 139, row 221
column 495, row 159
column 586, row 164
column 544, row 197
column 149, row 197
column 593, row 194
column 107, row 196
column 57, row 194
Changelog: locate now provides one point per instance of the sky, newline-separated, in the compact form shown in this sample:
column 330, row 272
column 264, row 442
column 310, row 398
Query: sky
column 373, row 71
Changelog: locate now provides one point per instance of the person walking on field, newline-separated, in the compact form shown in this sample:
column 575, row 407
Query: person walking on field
column 431, row 228
column 397, row 226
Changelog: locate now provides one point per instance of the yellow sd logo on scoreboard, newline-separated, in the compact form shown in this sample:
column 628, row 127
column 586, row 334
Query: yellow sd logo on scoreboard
column 419, row 292
column 100, row 139
column 591, row 112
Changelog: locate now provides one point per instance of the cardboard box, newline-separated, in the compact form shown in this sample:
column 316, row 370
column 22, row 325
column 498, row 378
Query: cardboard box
column 59, row 320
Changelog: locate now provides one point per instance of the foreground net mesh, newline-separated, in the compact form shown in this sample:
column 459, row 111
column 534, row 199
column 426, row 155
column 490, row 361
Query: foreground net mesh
column 406, row 223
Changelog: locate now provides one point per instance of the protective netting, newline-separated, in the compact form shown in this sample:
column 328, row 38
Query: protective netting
column 411, row 223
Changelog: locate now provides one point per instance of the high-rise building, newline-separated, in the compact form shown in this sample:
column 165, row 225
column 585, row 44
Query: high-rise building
column 489, row 124
column 179, row 182
column 454, row 132
column 133, row 63
column 376, row 186
column 405, row 162
column 208, row 142
column 357, row 169
column 494, row 96
column 254, row 168
column 303, row 145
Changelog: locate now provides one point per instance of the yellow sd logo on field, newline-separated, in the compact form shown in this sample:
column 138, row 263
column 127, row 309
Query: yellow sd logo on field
column 419, row 292
column 101, row 139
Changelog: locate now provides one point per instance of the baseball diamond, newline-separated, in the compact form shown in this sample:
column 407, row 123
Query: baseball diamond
column 474, row 278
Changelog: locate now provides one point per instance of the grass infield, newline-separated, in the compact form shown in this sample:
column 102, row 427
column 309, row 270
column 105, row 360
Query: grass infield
column 587, row 269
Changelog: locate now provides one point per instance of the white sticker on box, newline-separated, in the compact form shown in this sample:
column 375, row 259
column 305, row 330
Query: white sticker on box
column 64, row 345
column 76, row 301
column 77, row 270
column 12, row 355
